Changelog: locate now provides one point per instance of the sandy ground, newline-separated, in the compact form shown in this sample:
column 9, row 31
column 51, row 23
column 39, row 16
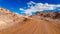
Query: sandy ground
column 34, row 26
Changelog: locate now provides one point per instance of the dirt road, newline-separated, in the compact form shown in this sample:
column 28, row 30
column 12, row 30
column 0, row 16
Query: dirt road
column 34, row 26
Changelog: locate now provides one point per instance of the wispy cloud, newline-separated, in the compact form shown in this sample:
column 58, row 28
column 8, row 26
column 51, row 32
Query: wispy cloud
column 34, row 7
column 21, row 9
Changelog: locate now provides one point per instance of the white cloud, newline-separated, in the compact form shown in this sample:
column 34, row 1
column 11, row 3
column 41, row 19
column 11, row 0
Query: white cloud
column 21, row 9
column 34, row 7
column 31, row 2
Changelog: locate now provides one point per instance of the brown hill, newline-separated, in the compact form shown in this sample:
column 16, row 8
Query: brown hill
column 54, row 15
column 12, row 23
column 8, row 18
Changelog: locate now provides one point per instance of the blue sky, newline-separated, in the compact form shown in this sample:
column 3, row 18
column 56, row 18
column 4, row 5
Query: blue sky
column 15, row 5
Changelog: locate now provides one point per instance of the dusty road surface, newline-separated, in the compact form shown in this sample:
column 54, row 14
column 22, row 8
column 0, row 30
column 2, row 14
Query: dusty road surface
column 34, row 26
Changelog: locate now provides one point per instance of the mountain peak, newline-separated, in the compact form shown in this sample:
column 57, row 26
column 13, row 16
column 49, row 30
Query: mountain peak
column 2, row 10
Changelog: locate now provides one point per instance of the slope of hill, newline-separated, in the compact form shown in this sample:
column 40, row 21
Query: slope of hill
column 8, row 18
column 12, row 23
column 53, row 15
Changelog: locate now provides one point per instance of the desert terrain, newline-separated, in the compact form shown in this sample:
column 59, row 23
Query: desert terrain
column 40, row 23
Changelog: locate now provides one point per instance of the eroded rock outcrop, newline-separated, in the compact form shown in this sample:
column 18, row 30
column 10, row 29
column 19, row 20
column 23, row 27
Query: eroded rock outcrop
column 54, row 15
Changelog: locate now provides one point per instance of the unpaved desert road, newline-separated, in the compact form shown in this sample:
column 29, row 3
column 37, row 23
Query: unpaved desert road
column 34, row 26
